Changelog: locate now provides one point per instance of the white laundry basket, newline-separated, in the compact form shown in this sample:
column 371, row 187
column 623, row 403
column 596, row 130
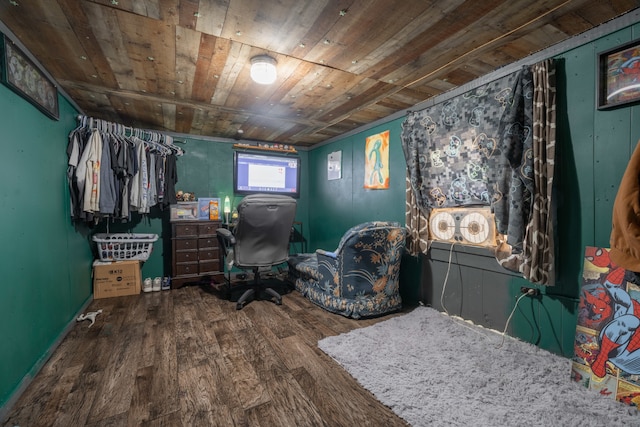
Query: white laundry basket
column 124, row 246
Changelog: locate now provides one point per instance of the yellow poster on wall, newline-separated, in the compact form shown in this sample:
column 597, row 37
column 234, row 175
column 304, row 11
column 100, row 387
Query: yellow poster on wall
column 376, row 167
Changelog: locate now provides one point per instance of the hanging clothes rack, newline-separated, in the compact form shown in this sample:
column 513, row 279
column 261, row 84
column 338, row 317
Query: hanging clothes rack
column 114, row 170
column 154, row 139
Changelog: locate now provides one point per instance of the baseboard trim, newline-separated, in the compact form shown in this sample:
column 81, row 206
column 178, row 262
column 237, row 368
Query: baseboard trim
column 28, row 378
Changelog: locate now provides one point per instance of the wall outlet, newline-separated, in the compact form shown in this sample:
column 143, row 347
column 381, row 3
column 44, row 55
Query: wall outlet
column 530, row 291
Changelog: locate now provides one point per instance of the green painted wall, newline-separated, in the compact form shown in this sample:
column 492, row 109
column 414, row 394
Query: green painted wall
column 206, row 169
column 594, row 147
column 337, row 205
column 45, row 261
column 592, row 153
column 340, row 204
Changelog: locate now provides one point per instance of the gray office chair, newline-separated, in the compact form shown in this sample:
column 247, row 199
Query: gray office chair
column 259, row 241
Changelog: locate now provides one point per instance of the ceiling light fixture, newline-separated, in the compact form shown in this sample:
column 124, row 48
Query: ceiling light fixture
column 263, row 69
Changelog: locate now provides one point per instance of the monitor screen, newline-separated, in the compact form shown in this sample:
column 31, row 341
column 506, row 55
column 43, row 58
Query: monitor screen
column 266, row 173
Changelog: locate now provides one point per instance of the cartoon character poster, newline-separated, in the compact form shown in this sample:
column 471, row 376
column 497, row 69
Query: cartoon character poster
column 376, row 166
column 607, row 343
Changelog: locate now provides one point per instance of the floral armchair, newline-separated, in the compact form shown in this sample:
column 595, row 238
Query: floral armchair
column 359, row 279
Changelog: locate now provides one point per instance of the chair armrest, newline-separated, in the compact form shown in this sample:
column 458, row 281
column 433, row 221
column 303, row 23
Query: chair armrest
column 226, row 235
column 305, row 265
column 327, row 253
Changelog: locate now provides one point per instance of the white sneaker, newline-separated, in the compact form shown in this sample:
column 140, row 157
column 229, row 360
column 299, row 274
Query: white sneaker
column 147, row 287
column 157, row 284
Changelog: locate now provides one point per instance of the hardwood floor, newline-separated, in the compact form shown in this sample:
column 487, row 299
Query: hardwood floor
column 187, row 357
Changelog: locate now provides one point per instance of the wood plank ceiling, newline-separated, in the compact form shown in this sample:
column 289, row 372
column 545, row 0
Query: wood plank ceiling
column 183, row 65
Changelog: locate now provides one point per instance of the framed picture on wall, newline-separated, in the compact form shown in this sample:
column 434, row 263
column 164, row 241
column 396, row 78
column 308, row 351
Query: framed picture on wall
column 618, row 81
column 21, row 75
column 334, row 165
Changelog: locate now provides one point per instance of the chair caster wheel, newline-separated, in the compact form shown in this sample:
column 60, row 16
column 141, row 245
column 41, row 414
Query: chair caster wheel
column 278, row 302
column 239, row 306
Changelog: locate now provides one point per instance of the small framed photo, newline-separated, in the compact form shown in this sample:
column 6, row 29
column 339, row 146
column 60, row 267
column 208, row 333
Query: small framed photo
column 23, row 77
column 618, row 76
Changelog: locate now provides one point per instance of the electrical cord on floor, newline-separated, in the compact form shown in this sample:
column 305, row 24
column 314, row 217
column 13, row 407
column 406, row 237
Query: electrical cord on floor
column 511, row 315
column 446, row 277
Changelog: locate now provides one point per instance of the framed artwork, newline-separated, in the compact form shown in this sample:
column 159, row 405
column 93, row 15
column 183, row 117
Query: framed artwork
column 618, row 80
column 334, row 165
column 376, row 166
column 21, row 75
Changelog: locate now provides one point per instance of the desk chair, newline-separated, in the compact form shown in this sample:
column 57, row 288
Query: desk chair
column 259, row 241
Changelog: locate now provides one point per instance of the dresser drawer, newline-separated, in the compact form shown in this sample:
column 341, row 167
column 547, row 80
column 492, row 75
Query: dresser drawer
column 208, row 242
column 209, row 267
column 186, row 244
column 186, row 269
column 208, row 254
column 207, row 229
column 195, row 252
column 185, row 230
column 187, row 256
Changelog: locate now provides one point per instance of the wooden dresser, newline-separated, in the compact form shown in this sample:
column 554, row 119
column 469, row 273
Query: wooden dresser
column 195, row 253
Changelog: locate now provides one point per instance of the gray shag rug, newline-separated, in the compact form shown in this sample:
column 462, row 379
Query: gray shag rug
column 435, row 370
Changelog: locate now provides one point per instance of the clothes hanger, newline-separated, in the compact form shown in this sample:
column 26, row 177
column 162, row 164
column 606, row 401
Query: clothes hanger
column 158, row 141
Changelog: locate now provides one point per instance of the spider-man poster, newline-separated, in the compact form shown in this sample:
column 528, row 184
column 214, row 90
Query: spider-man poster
column 607, row 344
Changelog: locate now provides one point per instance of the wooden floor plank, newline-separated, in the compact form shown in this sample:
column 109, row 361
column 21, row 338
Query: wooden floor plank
column 114, row 392
column 75, row 410
column 329, row 393
column 244, row 377
column 164, row 397
column 187, row 357
column 139, row 410
column 289, row 404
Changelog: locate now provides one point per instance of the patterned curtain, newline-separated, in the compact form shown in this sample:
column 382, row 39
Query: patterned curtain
column 452, row 149
column 526, row 215
column 514, row 186
column 417, row 224
column 539, row 247
column 452, row 155
column 494, row 145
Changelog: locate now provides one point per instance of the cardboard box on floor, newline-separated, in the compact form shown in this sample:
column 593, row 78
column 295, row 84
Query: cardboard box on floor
column 115, row 279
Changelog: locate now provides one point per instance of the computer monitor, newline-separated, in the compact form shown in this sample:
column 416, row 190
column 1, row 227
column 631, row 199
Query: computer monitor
column 267, row 173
